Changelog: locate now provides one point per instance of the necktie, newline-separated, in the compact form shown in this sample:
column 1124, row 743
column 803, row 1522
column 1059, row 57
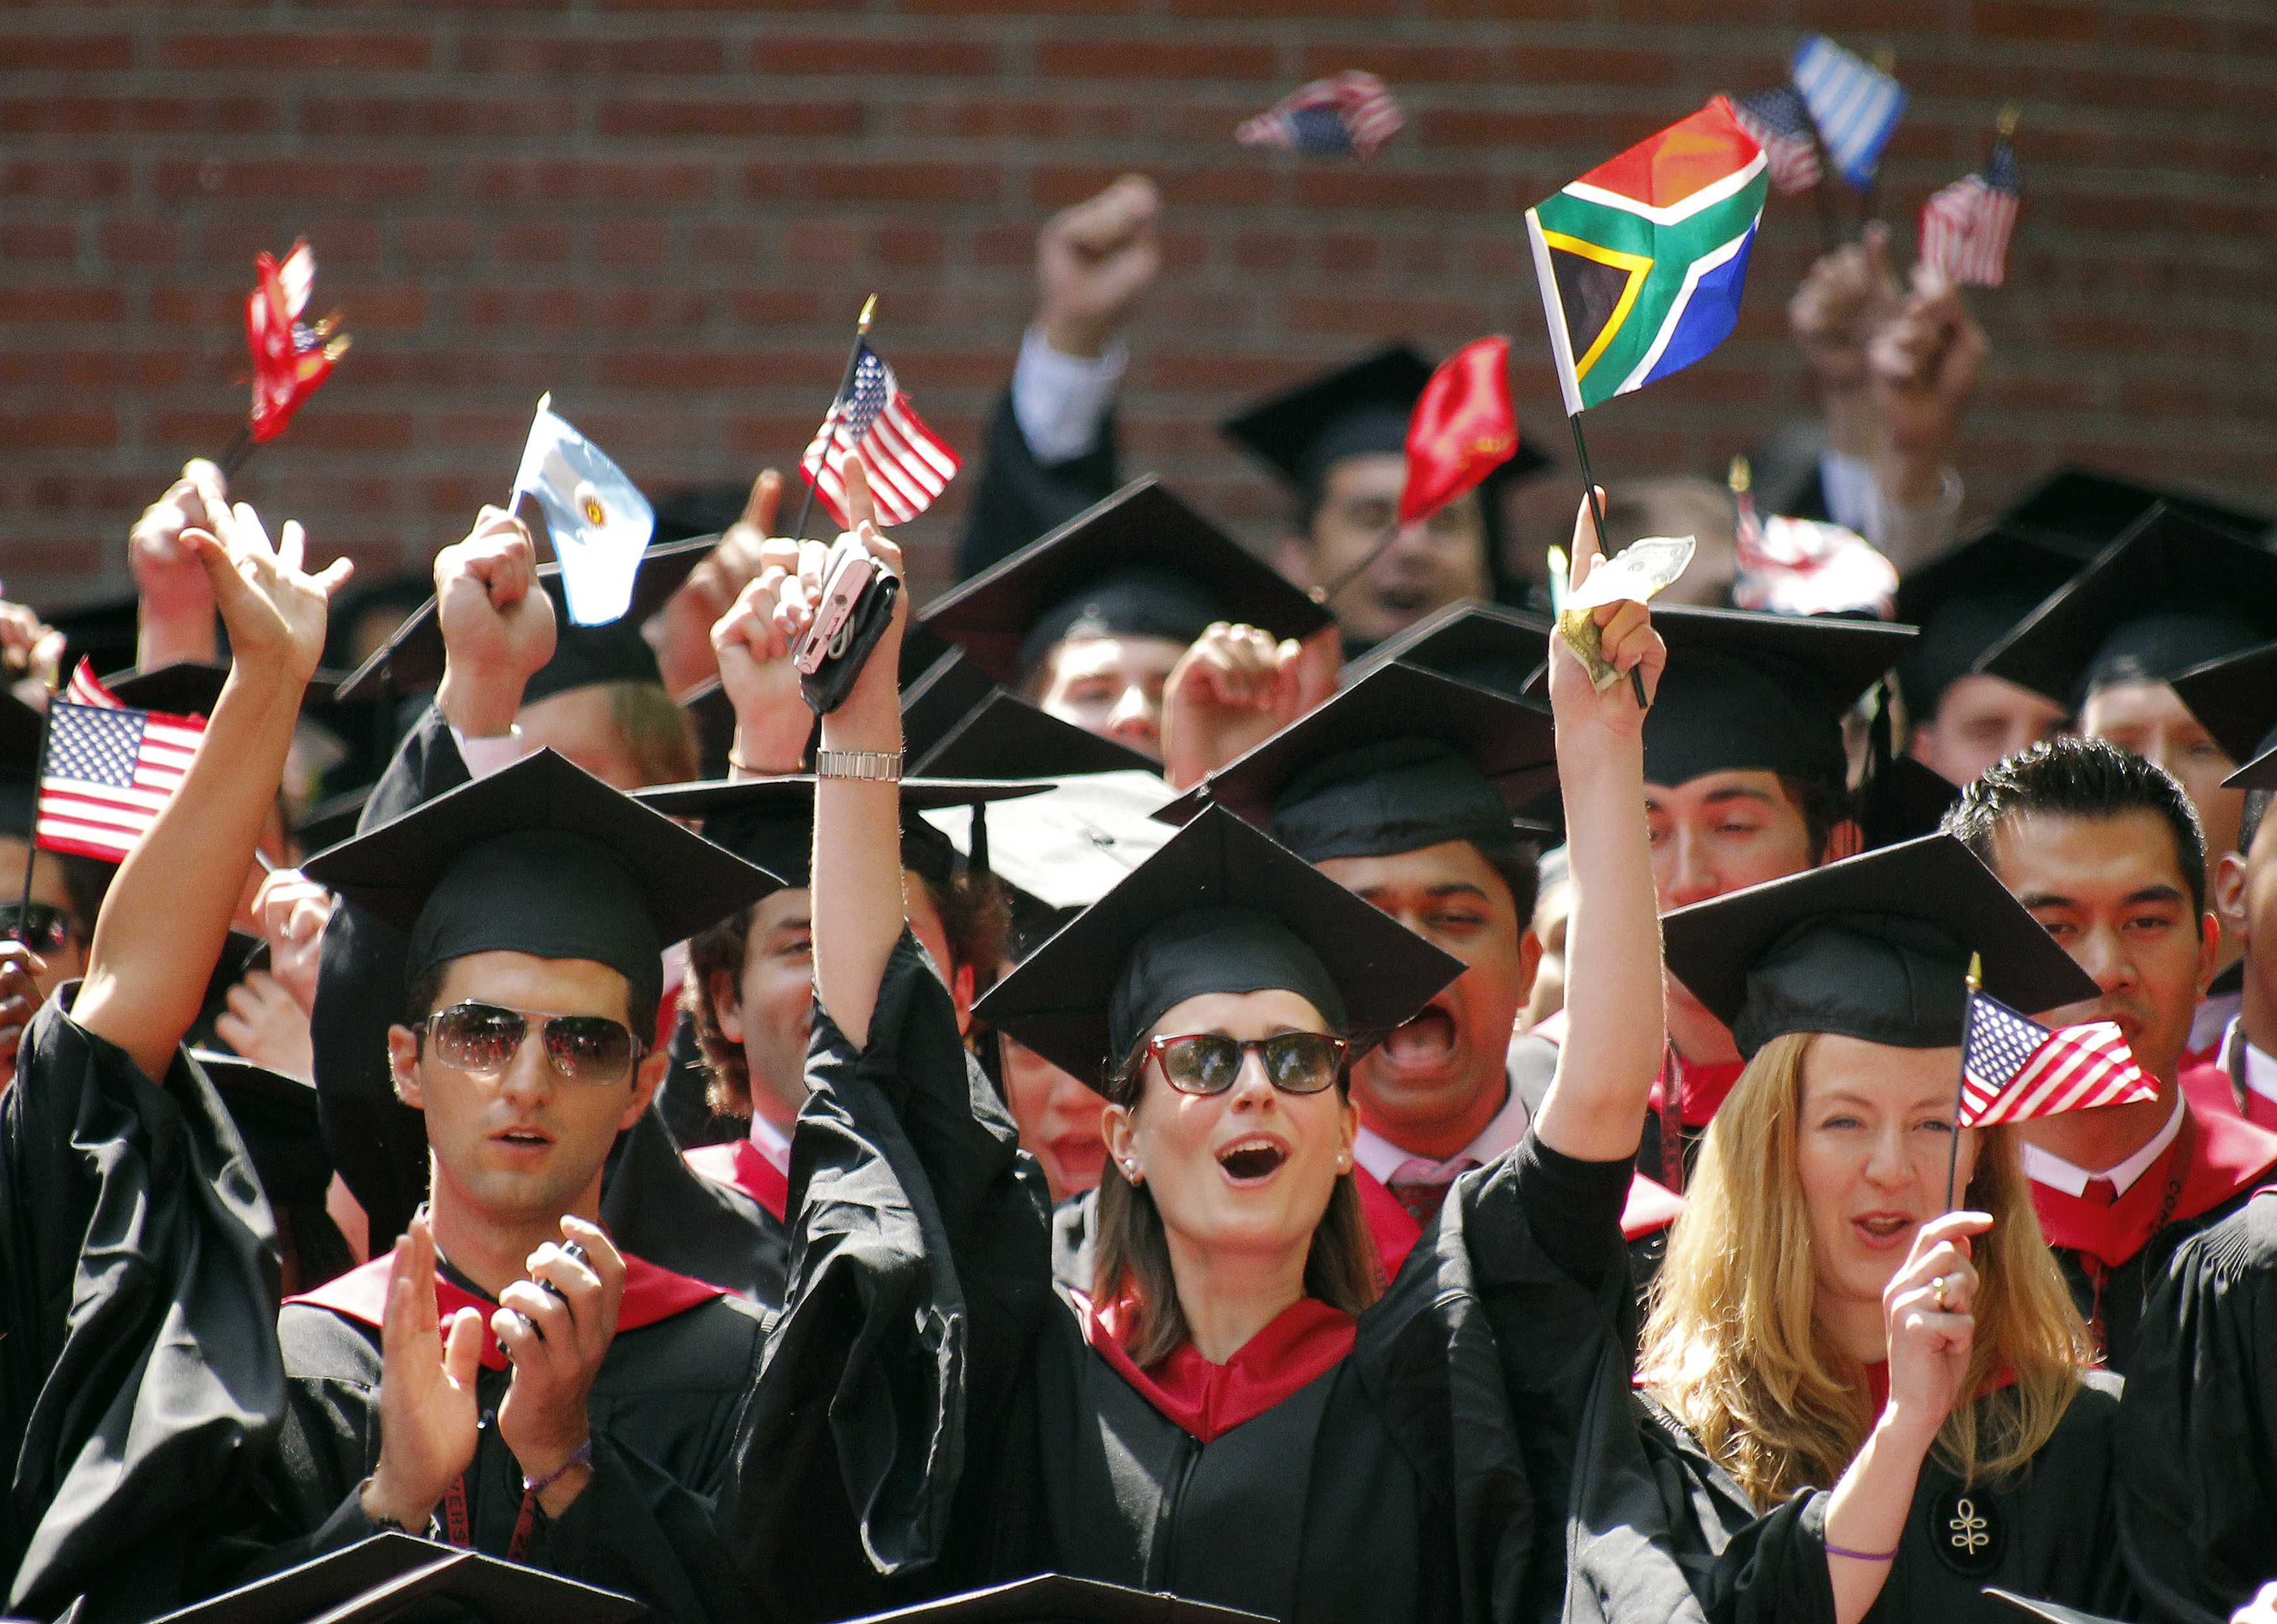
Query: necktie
column 2099, row 1193
column 1420, row 1186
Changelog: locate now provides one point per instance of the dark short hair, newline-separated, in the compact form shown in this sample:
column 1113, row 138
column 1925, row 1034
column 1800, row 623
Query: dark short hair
column 2256, row 807
column 423, row 990
column 2071, row 777
column 1522, row 871
column 1823, row 806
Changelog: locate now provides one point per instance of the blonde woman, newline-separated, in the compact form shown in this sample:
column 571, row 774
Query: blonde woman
column 1873, row 1403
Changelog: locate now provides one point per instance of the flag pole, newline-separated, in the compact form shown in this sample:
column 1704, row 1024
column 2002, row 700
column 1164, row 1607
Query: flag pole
column 1597, row 514
column 1830, row 234
column 853, row 361
column 1968, row 1008
column 240, row 452
column 32, row 834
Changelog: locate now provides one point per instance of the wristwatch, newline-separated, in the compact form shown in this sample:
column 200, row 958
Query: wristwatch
column 879, row 766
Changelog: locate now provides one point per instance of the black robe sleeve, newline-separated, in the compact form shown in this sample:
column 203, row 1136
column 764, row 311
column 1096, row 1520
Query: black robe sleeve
column 1745, row 1568
column 919, row 1269
column 1018, row 499
column 2198, row 1426
column 139, row 1377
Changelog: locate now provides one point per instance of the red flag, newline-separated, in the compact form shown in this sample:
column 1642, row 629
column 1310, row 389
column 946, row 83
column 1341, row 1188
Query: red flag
column 1463, row 428
column 290, row 358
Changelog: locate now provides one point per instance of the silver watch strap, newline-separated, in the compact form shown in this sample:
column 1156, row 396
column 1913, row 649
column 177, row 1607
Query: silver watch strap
column 880, row 766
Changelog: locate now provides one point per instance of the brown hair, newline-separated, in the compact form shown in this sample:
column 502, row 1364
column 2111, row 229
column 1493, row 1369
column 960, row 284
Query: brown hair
column 1133, row 1255
column 657, row 733
column 1732, row 1344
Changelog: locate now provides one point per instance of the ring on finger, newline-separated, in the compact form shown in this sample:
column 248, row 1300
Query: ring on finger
column 1937, row 1286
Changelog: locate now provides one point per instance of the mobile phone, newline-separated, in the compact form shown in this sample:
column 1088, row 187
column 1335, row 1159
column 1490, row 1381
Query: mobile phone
column 850, row 575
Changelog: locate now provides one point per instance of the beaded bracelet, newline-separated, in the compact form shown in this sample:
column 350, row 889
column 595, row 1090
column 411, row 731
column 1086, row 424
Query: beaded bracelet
column 583, row 1456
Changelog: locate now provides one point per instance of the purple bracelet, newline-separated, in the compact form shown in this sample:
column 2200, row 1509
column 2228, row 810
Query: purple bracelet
column 584, row 1457
column 1861, row 1556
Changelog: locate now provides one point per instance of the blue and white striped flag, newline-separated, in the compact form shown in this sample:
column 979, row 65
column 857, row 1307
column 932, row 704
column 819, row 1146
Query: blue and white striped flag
column 1855, row 104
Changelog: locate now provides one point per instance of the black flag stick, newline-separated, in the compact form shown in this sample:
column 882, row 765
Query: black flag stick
column 1960, row 1089
column 1597, row 514
column 32, row 835
column 240, row 452
column 1830, row 234
column 853, row 361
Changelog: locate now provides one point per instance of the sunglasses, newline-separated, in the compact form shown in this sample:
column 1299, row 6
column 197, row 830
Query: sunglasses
column 483, row 1038
column 1209, row 1062
column 40, row 926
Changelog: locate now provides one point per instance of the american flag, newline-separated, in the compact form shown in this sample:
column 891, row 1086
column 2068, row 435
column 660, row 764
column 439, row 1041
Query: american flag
column 106, row 773
column 1807, row 567
column 2013, row 1069
column 1854, row 103
column 908, row 464
column 86, row 688
column 1965, row 228
column 1352, row 113
column 1781, row 125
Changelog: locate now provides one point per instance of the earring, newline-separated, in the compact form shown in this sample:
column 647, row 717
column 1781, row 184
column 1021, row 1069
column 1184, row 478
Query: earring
column 1130, row 1172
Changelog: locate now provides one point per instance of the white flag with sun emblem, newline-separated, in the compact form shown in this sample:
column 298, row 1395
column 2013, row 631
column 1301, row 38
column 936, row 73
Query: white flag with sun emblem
column 600, row 522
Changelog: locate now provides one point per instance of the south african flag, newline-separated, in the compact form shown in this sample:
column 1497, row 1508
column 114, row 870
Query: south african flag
column 1641, row 260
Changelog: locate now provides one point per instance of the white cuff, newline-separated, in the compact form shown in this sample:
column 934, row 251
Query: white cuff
column 1908, row 535
column 1061, row 401
column 487, row 755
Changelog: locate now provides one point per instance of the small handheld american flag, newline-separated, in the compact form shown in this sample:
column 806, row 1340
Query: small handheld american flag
column 106, row 773
column 1352, row 113
column 1965, row 229
column 2013, row 1069
column 908, row 464
column 1781, row 125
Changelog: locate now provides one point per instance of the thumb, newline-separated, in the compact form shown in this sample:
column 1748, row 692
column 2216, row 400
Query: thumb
column 1884, row 276
column 764, row 502
column 462, row 1346
column 221, row 570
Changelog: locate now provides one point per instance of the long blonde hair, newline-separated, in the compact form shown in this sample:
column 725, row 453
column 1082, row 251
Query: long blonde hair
column 1731, row 1345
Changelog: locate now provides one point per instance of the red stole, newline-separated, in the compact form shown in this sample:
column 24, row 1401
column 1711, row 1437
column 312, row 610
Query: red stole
column 2226, row 1154
column 361, row 1294
column 2219, row 1090
column 743, row 1167
column 1305, row 1341
column 1650, row 1206
column 1705, row 1084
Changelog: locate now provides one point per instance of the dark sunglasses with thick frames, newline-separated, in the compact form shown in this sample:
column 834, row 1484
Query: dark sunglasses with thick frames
column 1209, row 1062
column 483, row 1038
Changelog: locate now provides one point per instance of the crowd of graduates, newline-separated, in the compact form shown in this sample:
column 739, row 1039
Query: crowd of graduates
column 1255, row 1081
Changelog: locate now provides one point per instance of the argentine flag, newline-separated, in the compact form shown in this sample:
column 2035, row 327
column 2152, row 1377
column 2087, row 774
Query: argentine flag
column 599, row 521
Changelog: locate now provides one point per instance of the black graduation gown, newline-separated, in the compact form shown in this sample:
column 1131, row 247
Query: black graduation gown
column 140, row 1379
column 651, row 1204
column 2049, row 1532
column 930, row 1412
column 2197, row 1429
column 1016, row 498
column 665, row 1410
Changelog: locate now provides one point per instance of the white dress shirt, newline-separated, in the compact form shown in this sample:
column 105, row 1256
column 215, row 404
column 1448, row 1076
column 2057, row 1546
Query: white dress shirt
column 1061, row 401
column 1382, row 1158
column 2053, row 1170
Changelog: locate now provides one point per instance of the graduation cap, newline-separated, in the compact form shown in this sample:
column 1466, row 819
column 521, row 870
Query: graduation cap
column 2235, row 700
column 276, row 1116
column 388, row 1573
column 2086, row 511
column 1874, row 947
column 1056, row 1598
column 20, row 733
column 1763, row 692
column 103, row 630
column 1489, row 646
column 1908, row 800
column 192, row 688
column 1219, row 908
column 957, row 723
column 2172, row 593
column 542, row 857
column 412, row 660
column 1401, row 759
column 1968, row 600
column 771, row 820
column 1141, row 563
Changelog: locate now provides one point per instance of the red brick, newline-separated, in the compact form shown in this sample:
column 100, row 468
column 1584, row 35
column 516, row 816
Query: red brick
column 32, row 53
column 835, row 54
column 35, row 240
column 741, row 118
column 307, row 179
column 517, row 53
column 879, row 182
column 2038, row 23
column 383, row 118
column 298, row 52
column 58, row 430
column 77, row 179
column 1175, row 58
column 61, row 304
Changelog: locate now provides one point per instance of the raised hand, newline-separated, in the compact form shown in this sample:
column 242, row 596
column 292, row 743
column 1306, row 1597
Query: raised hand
column 1232, row 690
column 1626, row 639
column 176, row 599
column 1094, row 262
column 31, row 652
column 713, row 586
column 265, row 1023
column 428, row 1425
column 275, row 612
column 1931, row 1329
column 757, row 672
column 796, row 586
column 1846, row 298
column 557, row 1338
column 291, row 911
column 498, row 623
column 1922, row 365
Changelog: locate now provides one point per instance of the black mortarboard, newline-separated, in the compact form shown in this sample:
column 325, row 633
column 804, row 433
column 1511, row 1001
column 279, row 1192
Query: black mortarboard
column 708, row 509
column 190, row 687
column 2089, row 511
column 1142, row 562
column 542, row 858
column 1966, row 601
column 276, row 1116
column 386, row 1575
column 1064, row 849
column 20, row 764
column 1765, row 692
column 1055, row 1599
column 1874, row 947
column 1402, row 759
column 2235, row 700
column 1908, row 800
column 412, row 660
column 771, row 820
column 2172, row 593
column 103, row 630
column 1489, row 646
column 1007, row 737
column 1219, row 908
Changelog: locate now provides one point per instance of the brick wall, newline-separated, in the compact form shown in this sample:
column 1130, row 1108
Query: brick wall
column 667, row 214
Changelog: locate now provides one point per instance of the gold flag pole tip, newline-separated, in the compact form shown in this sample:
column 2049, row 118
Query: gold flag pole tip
column 869, row 309
column 1976, row 973
column 2009, row 115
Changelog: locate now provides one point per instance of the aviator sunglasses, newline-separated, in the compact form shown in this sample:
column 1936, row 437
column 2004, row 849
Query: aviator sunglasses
column 483, row 1038
column 1209, row 1062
